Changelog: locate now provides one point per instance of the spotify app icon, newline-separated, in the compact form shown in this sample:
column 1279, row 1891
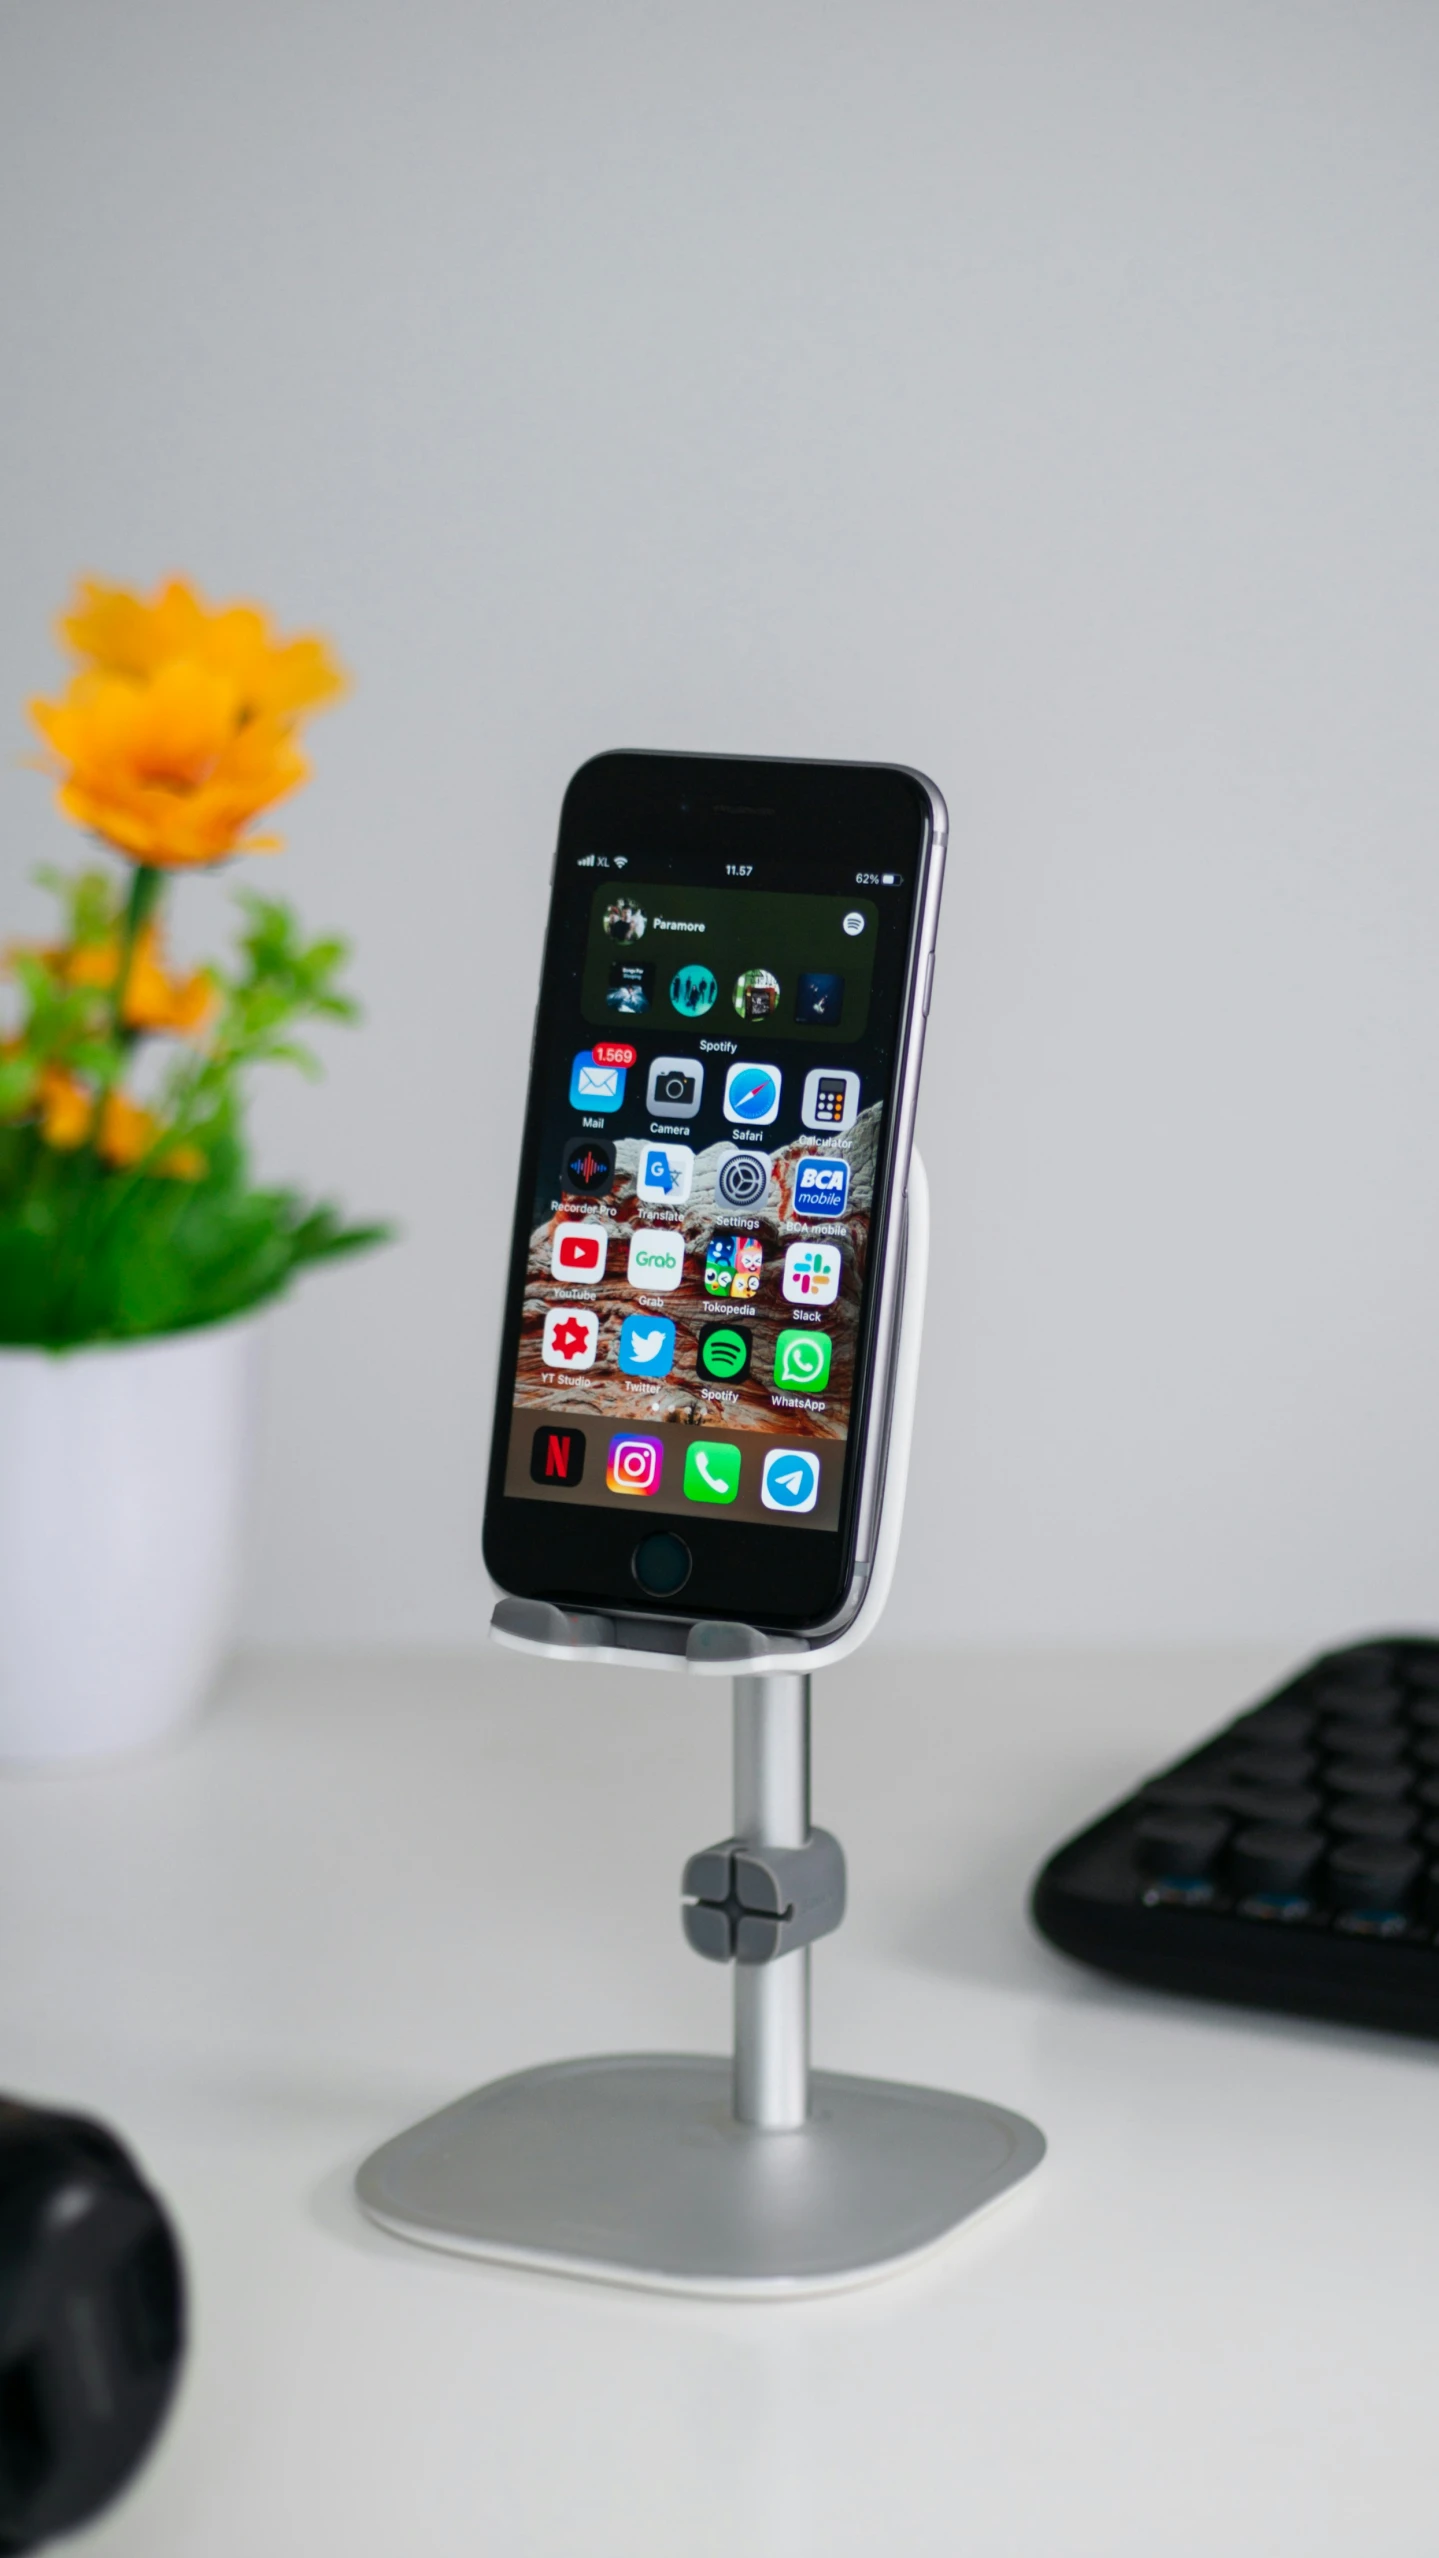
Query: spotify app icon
column 724, row 1352
column 801, row 1361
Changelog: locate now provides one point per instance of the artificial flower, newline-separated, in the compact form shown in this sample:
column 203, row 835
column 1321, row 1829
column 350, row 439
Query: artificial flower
column 154, row 1000
column 170, row 771
column 128, row 1132
column 115, row 632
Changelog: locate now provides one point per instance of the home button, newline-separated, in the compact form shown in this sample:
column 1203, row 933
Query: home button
column 661, row 1564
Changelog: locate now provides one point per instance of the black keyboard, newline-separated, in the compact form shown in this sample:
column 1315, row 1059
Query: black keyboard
column 1291, row 1862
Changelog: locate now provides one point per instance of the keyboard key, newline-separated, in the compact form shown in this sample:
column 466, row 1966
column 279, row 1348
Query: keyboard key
column 1377, row 1780
column 1373, row 1820
column 1283, row 1807
column 1373, row 1879
column 1181, row 1846
column 1273, row 1860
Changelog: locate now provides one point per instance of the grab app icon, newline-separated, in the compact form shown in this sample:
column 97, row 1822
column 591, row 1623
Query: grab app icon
column 578, row 1254
column 571, row 1337
column 635, row 1464
column 657, row 1258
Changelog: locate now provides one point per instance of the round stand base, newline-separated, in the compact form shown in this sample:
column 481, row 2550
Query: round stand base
column 633, row 2170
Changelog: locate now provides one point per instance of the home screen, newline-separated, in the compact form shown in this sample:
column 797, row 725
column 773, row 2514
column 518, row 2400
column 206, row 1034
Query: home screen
column 710, row 1141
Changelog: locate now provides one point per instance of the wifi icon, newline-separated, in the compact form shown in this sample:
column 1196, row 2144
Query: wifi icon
column 621, row 861
column 724, row 1351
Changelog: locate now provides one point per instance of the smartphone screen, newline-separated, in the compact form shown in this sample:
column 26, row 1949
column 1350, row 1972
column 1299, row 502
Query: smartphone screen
column 726, row 1018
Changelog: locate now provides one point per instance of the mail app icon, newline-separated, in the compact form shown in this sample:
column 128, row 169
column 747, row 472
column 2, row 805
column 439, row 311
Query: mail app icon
column 595, row 1087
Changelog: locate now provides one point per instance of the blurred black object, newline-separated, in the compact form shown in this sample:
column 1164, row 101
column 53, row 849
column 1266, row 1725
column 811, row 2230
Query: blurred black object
column 92, row 2321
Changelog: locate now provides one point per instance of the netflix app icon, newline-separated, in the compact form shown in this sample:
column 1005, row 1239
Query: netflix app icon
column 558, row 1455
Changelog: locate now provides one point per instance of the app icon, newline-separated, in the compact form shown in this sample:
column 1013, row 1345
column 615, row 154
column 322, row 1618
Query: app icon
column 635, row 1464
column 821, row 1186
column 711, row 1470
column 732, row 1265
column 657, row 1259
column 790, row 1480
column 571, row 1337
column 631, row 987
column 756, row 994
column 578, row 1253
column 724, row 1350
column 743, row 1177
column 557, row 1455
column 751, row 1094
column 854, row 925
column 624, row 920
column 594, row 1086
column 664, row 1174
column 693, row 991
column 801, row 1361
column 647, row 1345
column 811, row 1273
column 819, row 998
column 831, row 1098
column 589, row 1164
column 676, row 1087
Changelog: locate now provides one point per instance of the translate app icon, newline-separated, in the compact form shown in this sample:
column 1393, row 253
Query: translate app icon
column 790, row 1480
column 594, row 1086
column 664, row 1174
column 647, row 1345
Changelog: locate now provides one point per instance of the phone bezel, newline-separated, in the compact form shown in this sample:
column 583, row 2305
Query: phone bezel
column 776, row 1578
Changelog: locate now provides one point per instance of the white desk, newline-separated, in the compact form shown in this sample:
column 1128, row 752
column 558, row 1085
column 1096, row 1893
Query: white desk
column 1205, row 2326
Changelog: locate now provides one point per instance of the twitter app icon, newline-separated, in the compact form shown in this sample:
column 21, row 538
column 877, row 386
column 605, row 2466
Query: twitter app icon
column 647, row 1345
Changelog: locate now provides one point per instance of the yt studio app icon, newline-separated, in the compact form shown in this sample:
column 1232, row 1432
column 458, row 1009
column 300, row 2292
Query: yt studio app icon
column 571, row 1337
column 790, row 1480
column 657, row 1259
column 635, row 1465
column 751, row 1095
column 578, row 1254
column 831, row 1099
column 821, row 1186
column 812, row 1273
column 647, row 1345
column 743, row 1177
column 664, row 1175
column 596, row 1087
column 676, row 1087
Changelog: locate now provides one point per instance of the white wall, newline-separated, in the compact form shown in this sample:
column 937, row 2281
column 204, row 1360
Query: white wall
column 1044, row 394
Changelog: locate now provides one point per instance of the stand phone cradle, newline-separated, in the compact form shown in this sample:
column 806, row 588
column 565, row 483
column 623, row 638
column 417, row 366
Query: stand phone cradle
column 752, row 2178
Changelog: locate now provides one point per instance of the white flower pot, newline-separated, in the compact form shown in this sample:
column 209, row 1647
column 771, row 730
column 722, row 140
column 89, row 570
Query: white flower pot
column 120, row 1490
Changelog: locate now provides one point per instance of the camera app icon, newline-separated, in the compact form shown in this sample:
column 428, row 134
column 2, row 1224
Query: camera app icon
column 676, row 1087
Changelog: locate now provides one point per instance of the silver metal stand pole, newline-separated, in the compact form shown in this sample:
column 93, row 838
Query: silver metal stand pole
column 771, row 1809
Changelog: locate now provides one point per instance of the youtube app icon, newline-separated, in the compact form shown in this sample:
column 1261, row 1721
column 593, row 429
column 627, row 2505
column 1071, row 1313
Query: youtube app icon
column 578, row 1254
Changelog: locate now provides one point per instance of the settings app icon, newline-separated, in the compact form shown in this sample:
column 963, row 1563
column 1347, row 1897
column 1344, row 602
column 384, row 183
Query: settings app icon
column 743, row 1177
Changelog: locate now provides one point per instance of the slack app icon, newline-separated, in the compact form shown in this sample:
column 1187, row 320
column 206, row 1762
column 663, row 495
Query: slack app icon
column 557, row 1455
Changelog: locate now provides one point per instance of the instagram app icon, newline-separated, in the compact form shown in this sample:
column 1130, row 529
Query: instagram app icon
column 634, row 1464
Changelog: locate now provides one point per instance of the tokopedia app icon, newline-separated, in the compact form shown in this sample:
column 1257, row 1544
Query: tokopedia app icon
column 821, row 1186
column 790, row 1480
column 801, row 1361
column 657, row 1258
column 664, row 1173
column 711, row 1470
column 635, row 1464
column 811, row 1273
column 647, row 1345
column 724, row 1350
column 751, row 1095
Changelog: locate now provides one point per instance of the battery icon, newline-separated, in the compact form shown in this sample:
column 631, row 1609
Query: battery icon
column 889, row 879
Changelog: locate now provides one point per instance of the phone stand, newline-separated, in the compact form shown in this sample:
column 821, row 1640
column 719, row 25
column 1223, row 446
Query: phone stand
column 752, row 2178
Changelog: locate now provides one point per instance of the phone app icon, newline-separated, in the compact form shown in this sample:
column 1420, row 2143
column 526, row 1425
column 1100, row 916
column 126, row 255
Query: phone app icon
column 635, row 1464
column 724, row 1352
column 821, row 1186
column 756, row 994
column 571, row 1337
column 831, row 1099
column 664, row 1174
column 657, row 1259
column 812, row 1273
column 819, row 999
column 751, row 1095
column 711, row 1470
column 647, row 1345
column 694, row 991
column 589, row 1165
column 595, row 1085
column 631, row 986
column 801, row 1361
column 676, row 1087
column 732, row 1265
column 578, row 1253
column 743, row 1177
column 557, row 1455
column 790, row 1480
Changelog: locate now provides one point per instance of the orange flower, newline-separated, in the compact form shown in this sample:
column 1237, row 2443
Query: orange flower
column 117, row 633
column 171, row 772
column 127, row 1132
column 154, row 1000
column 66, row 1109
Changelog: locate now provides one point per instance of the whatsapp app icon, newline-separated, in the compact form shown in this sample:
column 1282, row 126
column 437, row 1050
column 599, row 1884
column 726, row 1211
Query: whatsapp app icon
column 801, row 1361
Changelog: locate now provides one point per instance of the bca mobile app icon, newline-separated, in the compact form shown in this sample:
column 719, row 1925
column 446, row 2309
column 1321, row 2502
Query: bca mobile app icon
column 821, row 1186
column 635, row 1464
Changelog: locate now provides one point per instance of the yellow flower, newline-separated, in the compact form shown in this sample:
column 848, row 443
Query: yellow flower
column 154, row 1000
column 117, row 633
column 172, row 772
column 127, row 1131
column 66, row 1109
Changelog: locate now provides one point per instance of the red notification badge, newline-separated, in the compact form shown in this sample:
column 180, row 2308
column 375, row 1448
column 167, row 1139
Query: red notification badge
column 613, row 1052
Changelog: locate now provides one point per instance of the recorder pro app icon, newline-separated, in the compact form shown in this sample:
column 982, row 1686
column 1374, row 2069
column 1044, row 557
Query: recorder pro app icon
column 578, row 1254
column 635, row 1464
column 571, row 1337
